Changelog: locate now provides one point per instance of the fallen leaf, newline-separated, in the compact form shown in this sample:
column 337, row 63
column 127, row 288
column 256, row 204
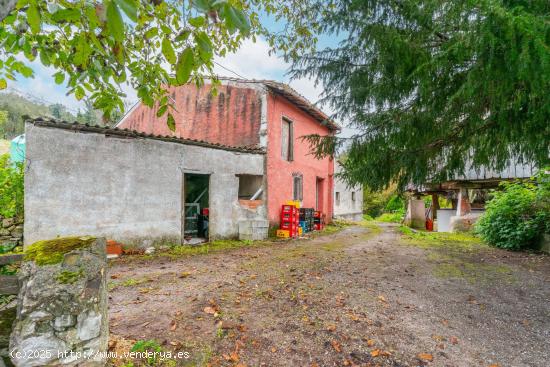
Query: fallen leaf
column 273, row 350
column 495, row 365
column 370, row 343
column 331, row 327
column 173, row 325
column 336, row 346
column 226, row 325
column 241, row 328
column 425, row 357
column 184, row 274
column 234, row 357
column 112, row 344
column 453, row 340
column 381, row 298
column 209, row 310
column 438, row 338
column 375, row 353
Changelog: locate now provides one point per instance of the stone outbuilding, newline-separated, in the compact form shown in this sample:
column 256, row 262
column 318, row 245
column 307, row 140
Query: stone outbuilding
column 134, row 187
column 348, row 200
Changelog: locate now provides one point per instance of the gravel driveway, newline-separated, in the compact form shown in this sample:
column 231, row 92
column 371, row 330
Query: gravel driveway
column 366, row 296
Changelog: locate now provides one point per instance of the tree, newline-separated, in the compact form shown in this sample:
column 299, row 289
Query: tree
column 3, row 120
column 95, row 46
column 89, row 116
column 57, row 110
column 433, row 86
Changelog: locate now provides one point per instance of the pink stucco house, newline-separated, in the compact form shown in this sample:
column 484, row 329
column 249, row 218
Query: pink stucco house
column 264, row 114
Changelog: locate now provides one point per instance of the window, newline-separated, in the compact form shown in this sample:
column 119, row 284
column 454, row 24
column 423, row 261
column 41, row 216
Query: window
column 298, row 186
column 353, row 196
column 337, row 199
column 287, row 140
column 249, row 187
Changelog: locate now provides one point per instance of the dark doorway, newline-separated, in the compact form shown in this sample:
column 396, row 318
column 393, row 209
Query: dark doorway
column 196, row 208
column 319, row 194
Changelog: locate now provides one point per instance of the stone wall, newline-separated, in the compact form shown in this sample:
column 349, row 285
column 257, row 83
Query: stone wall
column 62, row 315
column 11, row 231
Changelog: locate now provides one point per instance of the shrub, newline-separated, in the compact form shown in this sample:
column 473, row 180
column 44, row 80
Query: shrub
column 11, row 188
column 518, row 215
column 396, row 217
column 383, row 204
column 395, row 204
column 374, row 202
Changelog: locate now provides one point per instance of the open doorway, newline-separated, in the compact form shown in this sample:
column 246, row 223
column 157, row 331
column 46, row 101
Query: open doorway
column 196, row 208
column 319, row 193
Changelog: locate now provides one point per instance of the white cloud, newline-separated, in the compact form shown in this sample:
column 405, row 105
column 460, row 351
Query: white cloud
column 252, row 61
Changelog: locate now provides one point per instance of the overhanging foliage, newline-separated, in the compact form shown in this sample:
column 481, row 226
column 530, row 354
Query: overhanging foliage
column 432, row 85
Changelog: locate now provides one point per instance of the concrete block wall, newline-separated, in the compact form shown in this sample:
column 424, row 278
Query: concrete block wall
column 126, row 189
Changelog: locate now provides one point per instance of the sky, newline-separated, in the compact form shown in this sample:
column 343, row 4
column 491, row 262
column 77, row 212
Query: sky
column 251, row 61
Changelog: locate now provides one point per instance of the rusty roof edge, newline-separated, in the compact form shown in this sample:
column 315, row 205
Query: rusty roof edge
column 289, row 93
column 75, row 126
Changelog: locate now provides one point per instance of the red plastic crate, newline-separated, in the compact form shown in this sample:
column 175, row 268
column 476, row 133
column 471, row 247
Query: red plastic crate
column 289, row 226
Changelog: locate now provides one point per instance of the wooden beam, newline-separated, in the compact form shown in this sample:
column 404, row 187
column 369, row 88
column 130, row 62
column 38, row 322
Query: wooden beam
column 10, row 259
column 9, row 284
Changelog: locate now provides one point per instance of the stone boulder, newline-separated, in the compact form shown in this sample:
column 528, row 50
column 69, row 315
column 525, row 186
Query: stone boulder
column 62, row 306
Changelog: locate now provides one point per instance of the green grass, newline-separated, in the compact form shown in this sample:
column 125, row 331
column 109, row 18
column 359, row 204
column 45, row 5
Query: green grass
column 210, row 247
column 177, row 251
column 425, row 239
column 455, row 255
column 390, row 217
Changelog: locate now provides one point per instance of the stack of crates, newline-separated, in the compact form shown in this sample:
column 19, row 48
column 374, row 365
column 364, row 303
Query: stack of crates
column 289, row 221
column 306, row 219
column 319, row 220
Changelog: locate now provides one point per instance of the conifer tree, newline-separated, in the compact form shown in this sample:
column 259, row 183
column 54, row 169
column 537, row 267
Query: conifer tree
column 434, row 87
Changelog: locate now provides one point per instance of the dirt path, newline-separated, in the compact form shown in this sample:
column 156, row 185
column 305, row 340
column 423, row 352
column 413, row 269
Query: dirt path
column 357, row 297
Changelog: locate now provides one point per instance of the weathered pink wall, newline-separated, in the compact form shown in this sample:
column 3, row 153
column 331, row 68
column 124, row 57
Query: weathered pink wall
column 233, row 118
column 279, row 171
column 230, row 118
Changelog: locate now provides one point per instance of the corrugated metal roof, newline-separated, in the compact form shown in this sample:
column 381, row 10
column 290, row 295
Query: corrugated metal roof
column 126, row 133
